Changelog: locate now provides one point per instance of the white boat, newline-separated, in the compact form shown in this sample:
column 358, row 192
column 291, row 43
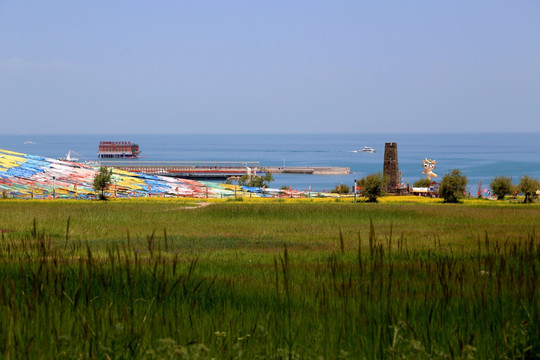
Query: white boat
column 70, row 157
column 366, row 149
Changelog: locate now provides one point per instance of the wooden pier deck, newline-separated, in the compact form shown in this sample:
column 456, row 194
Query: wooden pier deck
column 214, row 169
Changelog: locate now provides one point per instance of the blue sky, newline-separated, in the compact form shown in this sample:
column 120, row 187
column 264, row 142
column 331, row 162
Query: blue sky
column 121, row 67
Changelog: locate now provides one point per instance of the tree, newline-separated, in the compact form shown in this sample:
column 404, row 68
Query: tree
column 341, row 189
column 373, row 186
column 423, row 182
column 256, row 180
column 453, row 185
column 501, row 186
column 102, row 180
column 528, row 187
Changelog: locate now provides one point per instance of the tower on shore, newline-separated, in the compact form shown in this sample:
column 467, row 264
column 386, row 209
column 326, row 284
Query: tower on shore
column 391, row 168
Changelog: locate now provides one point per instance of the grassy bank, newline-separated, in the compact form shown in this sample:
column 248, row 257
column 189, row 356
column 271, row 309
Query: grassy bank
column 251, row 279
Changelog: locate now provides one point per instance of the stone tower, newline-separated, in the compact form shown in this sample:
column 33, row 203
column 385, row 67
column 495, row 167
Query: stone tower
column 391, row 168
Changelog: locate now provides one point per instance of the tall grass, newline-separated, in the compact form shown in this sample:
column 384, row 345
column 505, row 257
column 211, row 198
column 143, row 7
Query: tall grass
column 377, row 291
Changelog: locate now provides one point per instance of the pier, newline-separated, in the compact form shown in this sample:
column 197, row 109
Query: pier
column 209, row 170
column 214, row 170
column 314, row 170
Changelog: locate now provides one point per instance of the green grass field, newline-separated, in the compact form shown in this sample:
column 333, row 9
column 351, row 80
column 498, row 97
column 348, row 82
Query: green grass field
column 269, row 280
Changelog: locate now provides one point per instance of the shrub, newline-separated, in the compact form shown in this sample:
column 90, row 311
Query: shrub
column 453, row 186
column 424, row 182
column 341, row 189
column 373, row 186
column 501, row 186
column 528, row 187
column 255, row 180
column 239, row 198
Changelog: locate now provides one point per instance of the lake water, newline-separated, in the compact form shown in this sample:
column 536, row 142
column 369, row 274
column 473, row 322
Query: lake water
column 479, row 156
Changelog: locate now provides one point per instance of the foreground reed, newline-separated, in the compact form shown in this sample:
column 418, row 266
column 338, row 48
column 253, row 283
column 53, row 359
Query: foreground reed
column 381, row 298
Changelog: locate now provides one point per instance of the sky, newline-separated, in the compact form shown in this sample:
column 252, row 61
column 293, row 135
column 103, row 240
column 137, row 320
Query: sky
column 306, row 66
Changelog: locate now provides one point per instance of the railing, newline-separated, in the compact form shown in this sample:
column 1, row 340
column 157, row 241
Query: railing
column 180, row 164
column 185, row 168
